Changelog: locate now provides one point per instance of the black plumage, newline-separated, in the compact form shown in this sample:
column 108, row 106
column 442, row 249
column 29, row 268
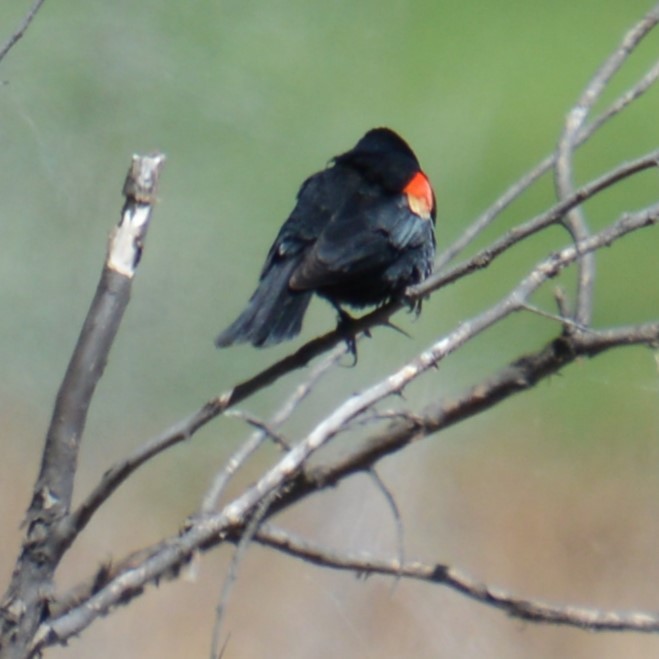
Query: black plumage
column 361, row 232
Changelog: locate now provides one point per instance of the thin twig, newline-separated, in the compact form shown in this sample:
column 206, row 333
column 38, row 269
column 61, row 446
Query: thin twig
column 520, row 186
column 21, row 30
column 186, row 428
column 122, row 584
column 540, row 222
column 566, row 322
column 575, row 219
column 125, row 579
column 518, row 376
column 445, row 575
column 264, row 429
column 621, row 102
column 205, row 532
column 240, row 457
column 395, row 511
column 232, row 573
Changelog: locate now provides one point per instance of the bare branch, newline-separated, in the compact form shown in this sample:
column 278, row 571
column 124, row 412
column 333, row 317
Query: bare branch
column 550, row 217
column 127, row 579
column 265, row 429
column 524, row 609
column 518, row 376
column 584, row 133
column 398, row 520
column 43, row 547
column 621, row 103
column 575, row 219
column 55, row 482
column 287, row 481
column 565, row 321
column 186, row 428
column 521, row 375
column 31, row 619
column 252, row 444
column 232, row 573
column 21, row 30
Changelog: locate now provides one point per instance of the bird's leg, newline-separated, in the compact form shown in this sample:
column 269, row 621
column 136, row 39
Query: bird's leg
column 346, row 327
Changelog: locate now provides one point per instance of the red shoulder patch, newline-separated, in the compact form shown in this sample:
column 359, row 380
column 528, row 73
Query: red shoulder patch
column 420, row 196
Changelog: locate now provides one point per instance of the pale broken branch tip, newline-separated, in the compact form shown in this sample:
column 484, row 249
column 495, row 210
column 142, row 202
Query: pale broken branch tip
column 140, row 189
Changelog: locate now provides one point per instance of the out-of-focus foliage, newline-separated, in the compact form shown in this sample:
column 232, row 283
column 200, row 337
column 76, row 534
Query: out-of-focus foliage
column 247, row 98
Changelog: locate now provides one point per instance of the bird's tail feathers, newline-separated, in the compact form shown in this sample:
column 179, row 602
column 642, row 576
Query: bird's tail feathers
column 273, row 314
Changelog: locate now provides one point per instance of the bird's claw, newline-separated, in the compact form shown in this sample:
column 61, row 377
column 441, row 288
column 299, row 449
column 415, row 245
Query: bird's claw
column 346, row 327
column 413, row 304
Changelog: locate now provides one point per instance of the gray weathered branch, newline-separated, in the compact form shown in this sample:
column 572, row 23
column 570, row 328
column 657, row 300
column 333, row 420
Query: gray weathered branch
column 26, row 601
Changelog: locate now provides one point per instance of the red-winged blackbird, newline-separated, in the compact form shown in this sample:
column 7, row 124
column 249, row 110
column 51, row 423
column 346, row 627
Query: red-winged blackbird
column 361, row 232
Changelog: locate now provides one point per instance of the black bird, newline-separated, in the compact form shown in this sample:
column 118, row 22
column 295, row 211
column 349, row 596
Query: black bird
column 361, row 232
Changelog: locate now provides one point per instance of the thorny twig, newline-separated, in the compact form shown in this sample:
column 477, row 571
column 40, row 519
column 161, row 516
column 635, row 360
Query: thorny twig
column 186, row 428
column 247, row 448
column 211, row 529
column 445, row 575
column 21, row 30
column 287, row 481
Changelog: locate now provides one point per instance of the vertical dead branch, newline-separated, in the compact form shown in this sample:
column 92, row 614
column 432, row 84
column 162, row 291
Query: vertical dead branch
column 26, row 600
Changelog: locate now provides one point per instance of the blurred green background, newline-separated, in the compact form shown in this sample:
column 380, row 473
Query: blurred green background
column 552, row 495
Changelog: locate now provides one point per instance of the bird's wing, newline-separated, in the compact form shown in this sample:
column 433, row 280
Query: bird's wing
column 363, row 238
column 317, row 202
